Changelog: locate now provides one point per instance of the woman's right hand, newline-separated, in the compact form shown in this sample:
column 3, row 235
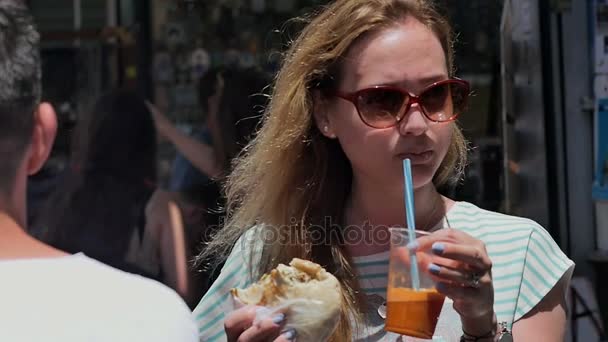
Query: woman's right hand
column 240, row 327
column 162, row 123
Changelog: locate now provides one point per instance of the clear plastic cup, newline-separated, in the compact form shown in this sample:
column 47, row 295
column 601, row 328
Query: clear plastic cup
column 409, row 311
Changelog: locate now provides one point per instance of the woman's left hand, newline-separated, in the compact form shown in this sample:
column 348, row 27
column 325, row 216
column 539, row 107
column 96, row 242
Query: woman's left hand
column 463, row 271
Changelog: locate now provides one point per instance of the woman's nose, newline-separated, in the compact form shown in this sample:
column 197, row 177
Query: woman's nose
column 414, row 122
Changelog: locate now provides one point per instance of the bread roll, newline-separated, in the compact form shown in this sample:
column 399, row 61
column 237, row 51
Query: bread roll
column 309, row 296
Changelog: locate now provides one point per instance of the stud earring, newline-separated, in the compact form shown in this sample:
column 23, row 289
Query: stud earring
column 326, row 129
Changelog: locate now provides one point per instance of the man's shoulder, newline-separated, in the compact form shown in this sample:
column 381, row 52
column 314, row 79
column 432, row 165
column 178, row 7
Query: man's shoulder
column 147, row 303
column 130, row 287
column 88, row 293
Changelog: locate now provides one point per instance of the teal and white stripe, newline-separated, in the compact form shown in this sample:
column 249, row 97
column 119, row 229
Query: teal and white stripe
column 527, row 263
column 212, row 309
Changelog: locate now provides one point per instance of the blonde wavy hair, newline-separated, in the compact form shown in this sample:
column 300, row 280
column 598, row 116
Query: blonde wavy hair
column 293, row 179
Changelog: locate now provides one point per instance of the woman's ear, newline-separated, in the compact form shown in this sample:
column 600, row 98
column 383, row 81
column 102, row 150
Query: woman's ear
column 321, row 115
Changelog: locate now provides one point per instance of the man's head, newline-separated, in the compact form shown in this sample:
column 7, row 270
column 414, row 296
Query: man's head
column 27, row 128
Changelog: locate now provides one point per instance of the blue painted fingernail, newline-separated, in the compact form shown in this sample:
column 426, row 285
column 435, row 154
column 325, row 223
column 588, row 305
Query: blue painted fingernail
column 290, row 334
column 412, row 246
column 434, row 269
column 438, row 248
column 278, row 319
column 440, row 287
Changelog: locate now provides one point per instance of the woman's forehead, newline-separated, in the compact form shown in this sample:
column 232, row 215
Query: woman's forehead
column 408, row 53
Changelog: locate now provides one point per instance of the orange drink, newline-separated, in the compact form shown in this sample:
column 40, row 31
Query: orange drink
column 413, row 304
column 413, row 313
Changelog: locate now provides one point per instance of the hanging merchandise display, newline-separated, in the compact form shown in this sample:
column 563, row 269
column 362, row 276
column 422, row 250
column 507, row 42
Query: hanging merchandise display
column 193, row 36
column 199, row 63
column 258, row 6
column 175, row 34
column 225, row 26
column 284, row 6
column 234, row 4
column 601, row 131
column 249, row 50
column 601, row 37
column 163, row 67
column 600, row 190
column 601, row 95
column 182, row 62
column 185, row 95
column 561, row 5
column 246, row 60
column 600, row 122
column 232, row 58
column 604, row 175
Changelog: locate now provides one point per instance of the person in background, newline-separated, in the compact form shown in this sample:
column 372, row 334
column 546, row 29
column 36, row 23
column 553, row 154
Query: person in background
column 46, row 293
column 103, row 208
column 235, row 101
column 184, row 175
column 367, row 84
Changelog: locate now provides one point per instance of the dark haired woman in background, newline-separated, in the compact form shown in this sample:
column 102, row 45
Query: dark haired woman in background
column 234, row 103
column 100, row 209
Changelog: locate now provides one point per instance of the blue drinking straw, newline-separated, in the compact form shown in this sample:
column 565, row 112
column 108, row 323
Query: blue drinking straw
column 411, row 221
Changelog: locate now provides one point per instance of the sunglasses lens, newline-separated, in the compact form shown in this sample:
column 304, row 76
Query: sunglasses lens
column 380, row 107
column 444, row 101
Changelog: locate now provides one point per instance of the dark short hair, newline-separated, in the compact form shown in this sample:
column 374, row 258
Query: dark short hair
column 19, row 85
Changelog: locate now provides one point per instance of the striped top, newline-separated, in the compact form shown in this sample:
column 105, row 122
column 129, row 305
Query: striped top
column 526, row 264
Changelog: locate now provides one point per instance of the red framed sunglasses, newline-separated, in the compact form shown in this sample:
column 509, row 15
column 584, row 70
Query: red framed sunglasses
column 386, row 106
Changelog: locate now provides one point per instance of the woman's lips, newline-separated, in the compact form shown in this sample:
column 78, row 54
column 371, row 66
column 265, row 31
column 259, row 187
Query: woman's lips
column 417, row 158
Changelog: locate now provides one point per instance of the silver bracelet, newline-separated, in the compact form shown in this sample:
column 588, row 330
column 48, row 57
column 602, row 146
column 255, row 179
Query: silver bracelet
column 504, row 335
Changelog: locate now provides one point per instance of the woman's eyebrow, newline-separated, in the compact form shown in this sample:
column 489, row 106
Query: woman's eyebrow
column 420, row 82
column 429, row 79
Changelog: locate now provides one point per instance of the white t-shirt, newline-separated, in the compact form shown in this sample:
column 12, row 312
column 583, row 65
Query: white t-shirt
column 76, row 298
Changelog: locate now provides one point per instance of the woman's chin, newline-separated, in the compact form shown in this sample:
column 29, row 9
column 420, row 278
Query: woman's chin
column 422, row 176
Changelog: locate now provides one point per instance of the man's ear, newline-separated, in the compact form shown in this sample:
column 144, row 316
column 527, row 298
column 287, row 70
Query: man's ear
column 321, row 114
column 43, row 137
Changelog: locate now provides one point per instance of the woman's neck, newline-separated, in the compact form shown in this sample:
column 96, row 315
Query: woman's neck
column 371, row 210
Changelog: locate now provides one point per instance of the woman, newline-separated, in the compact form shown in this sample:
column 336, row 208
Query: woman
column 234, row 105
column 106, row 208
column 367, row 84
column 234, row 102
